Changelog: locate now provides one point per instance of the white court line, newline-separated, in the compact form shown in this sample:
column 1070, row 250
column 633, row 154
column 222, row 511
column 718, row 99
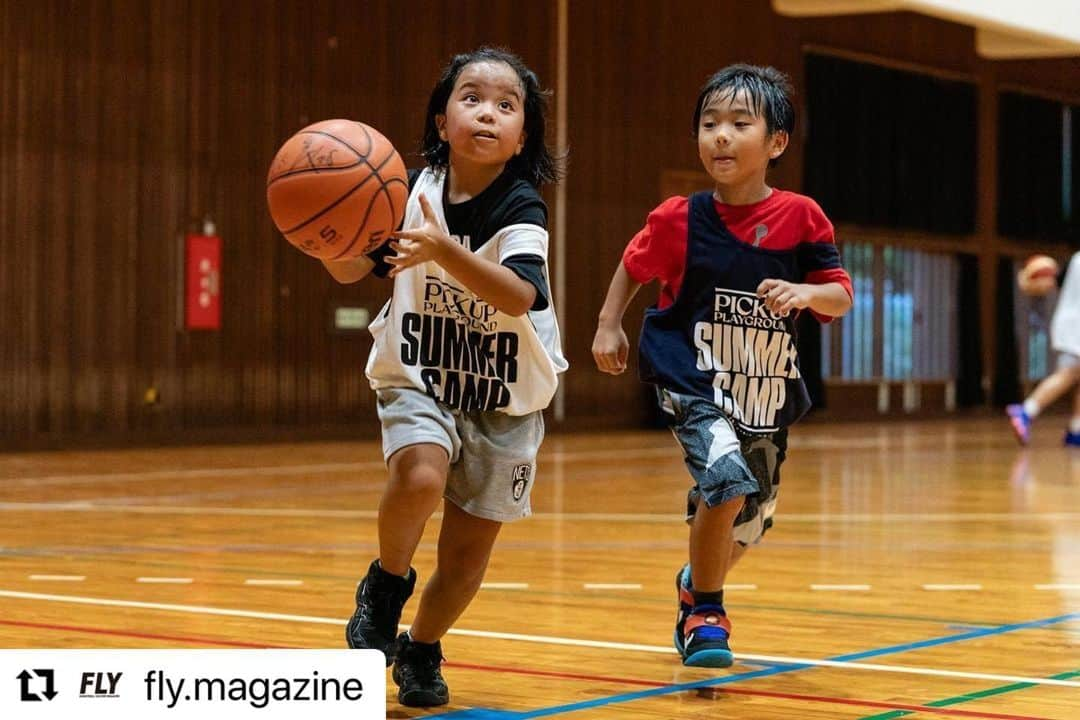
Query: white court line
column 750, row 586
column 930, row 517
column 504, row 586
column 190, row 510
column 575, row 517
column 1059, row 586
column 195, row 609
column 300, row 513
column 195, row 473
column 165, row 580
column 839, row 587
column 612, row 586
column 542, row 639
column 275, row 470
column 345, row 467
column 269, row 582
column 59, row 578
column 947, row 587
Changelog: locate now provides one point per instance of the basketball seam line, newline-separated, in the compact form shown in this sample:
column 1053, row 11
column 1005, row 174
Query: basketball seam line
column 382, row 189
column 350, row 191
column 363, row 128
column 318, row 171
column 389, row 199
column 367, row 214
column 360, row 157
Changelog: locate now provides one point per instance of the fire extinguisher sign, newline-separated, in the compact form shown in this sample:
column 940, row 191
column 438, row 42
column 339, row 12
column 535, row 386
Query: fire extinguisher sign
column 202, row 305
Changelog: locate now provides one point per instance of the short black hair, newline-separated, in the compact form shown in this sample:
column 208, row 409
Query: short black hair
column 768, row 92
column 537, row 163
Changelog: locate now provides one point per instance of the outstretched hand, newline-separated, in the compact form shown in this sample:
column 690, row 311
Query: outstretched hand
column 420, row 245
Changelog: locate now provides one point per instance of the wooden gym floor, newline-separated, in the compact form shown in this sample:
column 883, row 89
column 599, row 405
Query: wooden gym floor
column 920, row 570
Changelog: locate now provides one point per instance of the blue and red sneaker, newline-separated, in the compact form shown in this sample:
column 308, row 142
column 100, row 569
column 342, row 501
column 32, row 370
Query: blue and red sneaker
column 686, row 604
column 1021, row 423
column 705, row 638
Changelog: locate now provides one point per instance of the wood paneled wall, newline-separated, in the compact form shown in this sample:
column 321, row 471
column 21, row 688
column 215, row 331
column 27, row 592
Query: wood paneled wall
column 630, row 110
column 123, row 123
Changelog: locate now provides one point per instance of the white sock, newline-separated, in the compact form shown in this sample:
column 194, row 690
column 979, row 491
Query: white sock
column 1031, row 408
column 1074, row 424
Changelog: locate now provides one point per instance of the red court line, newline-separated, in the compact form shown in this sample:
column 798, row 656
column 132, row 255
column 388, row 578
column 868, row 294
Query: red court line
column 758, row 693
column 142, row 636
column 552, row 674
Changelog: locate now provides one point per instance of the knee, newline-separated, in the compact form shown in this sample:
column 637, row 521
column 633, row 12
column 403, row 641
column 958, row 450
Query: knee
column 421, row 483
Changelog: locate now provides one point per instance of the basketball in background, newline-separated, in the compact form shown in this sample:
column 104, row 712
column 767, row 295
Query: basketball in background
column 1038, row 276
column 337, row 189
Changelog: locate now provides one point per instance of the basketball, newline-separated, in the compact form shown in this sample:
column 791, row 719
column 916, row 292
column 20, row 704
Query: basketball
column 1038, row 276
column 337, row 189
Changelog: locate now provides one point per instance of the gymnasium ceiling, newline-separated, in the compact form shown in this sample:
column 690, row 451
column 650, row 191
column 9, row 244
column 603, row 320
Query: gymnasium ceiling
column 1004, row 29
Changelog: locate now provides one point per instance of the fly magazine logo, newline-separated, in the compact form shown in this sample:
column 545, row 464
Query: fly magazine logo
column 99, row 684
column 193, row 684
column 752, row 355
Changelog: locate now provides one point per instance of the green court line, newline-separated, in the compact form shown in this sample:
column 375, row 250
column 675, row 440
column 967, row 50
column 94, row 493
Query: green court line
column 968, row 697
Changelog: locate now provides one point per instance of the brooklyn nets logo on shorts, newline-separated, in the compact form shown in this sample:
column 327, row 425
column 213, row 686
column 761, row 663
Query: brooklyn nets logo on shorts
column 520, row 477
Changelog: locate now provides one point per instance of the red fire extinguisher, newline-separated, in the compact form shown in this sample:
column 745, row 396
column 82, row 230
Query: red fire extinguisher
column 202, row 297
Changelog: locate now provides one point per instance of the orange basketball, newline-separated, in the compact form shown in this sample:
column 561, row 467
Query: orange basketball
column 1038, row 276
column 337, row 189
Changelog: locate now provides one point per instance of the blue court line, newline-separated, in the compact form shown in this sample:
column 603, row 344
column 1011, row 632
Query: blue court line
column 488, row 714
column 981, row 632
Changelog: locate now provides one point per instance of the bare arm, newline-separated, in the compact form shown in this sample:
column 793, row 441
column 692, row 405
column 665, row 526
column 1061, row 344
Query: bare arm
column 349, row 270
column 610, row 346
column 826, row 299
column 499, row 286
column 496, row 284
column 829, row 299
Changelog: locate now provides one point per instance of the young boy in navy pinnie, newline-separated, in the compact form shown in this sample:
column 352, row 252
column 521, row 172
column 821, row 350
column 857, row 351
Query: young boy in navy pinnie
column 735, row 265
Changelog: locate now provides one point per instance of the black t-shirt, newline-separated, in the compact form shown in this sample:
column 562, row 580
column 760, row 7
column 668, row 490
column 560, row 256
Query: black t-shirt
column 506, row 201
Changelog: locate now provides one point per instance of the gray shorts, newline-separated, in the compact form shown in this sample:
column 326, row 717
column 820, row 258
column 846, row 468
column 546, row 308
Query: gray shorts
column 492, row 455
column 725, row 464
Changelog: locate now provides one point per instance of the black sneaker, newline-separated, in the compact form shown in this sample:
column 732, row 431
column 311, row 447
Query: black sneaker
column 379, row 599
column 416, row 672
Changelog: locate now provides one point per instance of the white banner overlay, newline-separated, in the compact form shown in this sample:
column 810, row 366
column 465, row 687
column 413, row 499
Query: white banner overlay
column 183, row 684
